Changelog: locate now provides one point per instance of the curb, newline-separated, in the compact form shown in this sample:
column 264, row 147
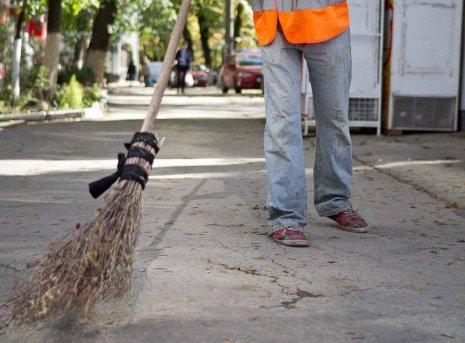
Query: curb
column 41, row 116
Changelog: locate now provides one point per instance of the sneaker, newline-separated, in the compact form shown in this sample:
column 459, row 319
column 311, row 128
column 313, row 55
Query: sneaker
column 290, row 236
column 349, row 220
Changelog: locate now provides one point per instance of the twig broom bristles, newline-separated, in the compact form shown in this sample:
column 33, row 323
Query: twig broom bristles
column 95, row 261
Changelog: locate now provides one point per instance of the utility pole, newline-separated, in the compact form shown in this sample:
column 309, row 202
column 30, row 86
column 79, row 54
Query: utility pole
column 229, row 32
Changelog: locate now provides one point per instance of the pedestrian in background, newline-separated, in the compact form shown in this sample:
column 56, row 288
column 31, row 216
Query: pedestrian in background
column 183, row 64
column 148, row 82
column 131, row 73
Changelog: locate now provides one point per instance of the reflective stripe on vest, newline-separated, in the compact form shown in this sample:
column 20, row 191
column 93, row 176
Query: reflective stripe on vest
column 302, row 21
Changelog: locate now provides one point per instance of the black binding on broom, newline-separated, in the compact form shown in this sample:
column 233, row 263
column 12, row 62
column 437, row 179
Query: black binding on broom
column 136, row 173
column 132, row 172
column 144, row 137
column 138, row 152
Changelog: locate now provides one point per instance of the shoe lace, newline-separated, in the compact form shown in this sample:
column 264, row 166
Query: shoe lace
column 350, row 212
column 291, row 229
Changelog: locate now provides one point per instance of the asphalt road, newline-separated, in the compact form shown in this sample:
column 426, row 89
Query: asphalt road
column 205, row 271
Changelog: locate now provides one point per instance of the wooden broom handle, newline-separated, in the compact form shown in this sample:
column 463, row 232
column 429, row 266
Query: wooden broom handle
column 154, row 107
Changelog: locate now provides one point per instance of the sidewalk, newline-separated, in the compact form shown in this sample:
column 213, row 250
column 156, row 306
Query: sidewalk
column 205, row 272
column 199, row 103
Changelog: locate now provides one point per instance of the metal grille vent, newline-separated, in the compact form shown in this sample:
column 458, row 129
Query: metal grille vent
column 430, row 113
column 360, row 110
column 363, row 109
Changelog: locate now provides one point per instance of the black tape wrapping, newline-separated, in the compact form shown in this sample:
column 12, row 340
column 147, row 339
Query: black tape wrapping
column 147, row 138
column 100, row 186
column 138, row 152
column 125, row 171
column 136, row 173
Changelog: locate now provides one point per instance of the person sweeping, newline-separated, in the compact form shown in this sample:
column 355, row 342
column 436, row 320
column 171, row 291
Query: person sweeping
column 319, row 32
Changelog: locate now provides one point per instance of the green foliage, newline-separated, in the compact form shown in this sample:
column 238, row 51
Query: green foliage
column 6, row 44
column 23, row 104
column 91, row 94
column 247, row 38
column 71, row 95
column 25, row 101
column 3, row 107
column 84, row 76
column 157, row 19
column 76, row 8
column 35, row 80
column 153, row 19
column 5, row 95
column 77, row 18
column 156, row 23
column 127, row 18
column 33, row 8
column 210, row 20
column 30, row 9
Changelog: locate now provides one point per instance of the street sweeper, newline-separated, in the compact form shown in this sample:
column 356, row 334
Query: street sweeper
column 318, row 31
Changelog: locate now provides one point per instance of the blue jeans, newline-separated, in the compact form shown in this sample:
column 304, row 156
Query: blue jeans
column 330, row 69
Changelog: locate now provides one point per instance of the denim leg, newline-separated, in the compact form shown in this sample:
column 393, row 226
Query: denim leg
column 287, row 191
column 330, row 68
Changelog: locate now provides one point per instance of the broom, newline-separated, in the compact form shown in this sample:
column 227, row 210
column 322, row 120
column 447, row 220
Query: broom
column 94, row 262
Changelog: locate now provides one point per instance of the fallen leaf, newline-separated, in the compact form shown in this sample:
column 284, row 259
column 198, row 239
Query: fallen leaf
column 444, row 334
column 451, row 204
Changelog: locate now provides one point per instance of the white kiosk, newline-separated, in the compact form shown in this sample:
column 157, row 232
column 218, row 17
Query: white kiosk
column 423, row 73
column 367, row 30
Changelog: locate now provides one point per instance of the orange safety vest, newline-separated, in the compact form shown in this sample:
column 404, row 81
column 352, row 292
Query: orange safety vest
column 302, row 21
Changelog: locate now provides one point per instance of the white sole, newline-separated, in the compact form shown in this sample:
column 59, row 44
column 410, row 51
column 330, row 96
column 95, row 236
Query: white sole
column 361, row 230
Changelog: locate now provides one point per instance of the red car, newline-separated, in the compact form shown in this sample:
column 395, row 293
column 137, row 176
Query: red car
column 200, row 75
column 242, row 71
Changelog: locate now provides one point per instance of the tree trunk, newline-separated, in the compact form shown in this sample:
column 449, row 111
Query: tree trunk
column 188, row 38
column 80, row 51
column 229, row 28
column 99, row 42
column 238, row 23
column 16, row 68
column 52, row 44
column 204, row 36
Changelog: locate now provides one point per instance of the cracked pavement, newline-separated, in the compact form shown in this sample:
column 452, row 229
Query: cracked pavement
column 205, row 270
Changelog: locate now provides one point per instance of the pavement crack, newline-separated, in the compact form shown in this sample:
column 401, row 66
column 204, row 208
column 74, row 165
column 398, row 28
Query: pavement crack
column 10, row 267
column 247, row 270
column 296, row 295
column 458, row 210
column 253, row 271
column 299, row 295
column 290, row 271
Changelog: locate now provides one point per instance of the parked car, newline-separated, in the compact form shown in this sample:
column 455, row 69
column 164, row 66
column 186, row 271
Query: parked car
column 155, row 70
column 243, row 70
column 200, row 75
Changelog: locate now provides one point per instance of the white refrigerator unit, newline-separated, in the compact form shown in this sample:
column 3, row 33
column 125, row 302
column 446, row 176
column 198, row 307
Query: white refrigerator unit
column 367, row 27
column 423, row 71
column 462, row 102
